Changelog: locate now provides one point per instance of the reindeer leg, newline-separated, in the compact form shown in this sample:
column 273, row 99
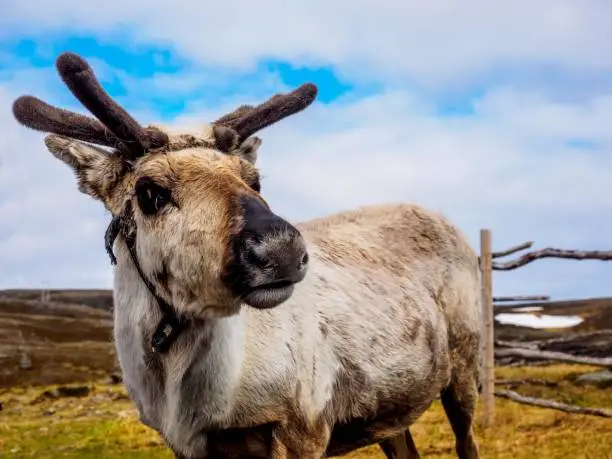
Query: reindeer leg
column 459, row 401
column 300, row 440
column 400, row 447
column 460, row 397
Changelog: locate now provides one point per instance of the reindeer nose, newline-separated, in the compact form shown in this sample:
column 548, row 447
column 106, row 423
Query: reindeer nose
column 274, row 250
column 280, row 258
column 269, row 257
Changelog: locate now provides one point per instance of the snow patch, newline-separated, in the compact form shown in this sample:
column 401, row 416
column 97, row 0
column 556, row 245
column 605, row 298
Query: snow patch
column 539, row 321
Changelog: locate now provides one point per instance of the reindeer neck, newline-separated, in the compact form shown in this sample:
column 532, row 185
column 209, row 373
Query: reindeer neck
column 203, row 362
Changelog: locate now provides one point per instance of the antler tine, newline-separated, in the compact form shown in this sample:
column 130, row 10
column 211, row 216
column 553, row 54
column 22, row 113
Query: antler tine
column 82, row 82
column 227, row 120
column 247, row 120
column 36, row 114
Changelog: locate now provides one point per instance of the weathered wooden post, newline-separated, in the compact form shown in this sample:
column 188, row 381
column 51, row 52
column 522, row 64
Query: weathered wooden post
column 488, row 361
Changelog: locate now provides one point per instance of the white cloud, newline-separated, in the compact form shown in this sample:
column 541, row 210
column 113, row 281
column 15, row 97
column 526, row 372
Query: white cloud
column 440, row 42
column 506, row 167
column 49, row 232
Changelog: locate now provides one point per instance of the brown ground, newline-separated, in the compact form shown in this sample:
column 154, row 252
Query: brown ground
column 65, row 341
column 69, row 341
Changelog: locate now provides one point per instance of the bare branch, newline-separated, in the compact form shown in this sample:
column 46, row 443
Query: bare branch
column 516, row 397
column 517, row 307
column 550, row 355
column 575, row 337
column 528, row 381
column 589, row 303
column 503, row 299
column 554, row 253
column 516, row 344
column 510, row 363
column 511, row 250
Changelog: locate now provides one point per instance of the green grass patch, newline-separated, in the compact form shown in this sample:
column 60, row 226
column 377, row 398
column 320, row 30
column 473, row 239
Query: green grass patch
column 105, row 424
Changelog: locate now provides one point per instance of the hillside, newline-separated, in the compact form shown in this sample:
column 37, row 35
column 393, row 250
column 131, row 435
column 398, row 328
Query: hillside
column 95, row 298
column 69, row 337
column 65, row 340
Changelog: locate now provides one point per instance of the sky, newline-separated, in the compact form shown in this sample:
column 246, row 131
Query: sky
column 498, row 115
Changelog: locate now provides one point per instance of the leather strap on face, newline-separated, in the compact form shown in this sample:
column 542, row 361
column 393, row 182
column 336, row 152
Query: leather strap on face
column 170, row 325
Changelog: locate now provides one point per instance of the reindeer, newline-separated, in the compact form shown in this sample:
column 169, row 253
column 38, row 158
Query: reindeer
column 241, row 335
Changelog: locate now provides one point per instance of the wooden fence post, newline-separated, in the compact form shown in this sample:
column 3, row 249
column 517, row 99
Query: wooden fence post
column 488, row 361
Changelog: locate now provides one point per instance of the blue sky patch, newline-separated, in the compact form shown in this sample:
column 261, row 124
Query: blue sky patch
column 582, row 144
column 132, row 73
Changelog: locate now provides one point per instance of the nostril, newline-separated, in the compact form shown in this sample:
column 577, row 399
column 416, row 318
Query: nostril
column 255, row 259
column 303, row 261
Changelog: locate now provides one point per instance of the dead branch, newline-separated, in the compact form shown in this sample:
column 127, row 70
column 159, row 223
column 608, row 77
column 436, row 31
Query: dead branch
column 596, row 344
column 516, row 307
column 516, row 397
column 530, row 381
column 574, row 337
column 504, row 299
column 549, row 355
column 564, row 305
column 516, row 344
column 511, row 250
column 554, row 253
column 524, row 363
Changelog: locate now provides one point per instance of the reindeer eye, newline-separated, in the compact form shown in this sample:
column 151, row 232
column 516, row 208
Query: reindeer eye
column 256, row 185
column 151, row 197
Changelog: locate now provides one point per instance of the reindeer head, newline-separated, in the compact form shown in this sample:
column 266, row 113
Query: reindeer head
column 207, row 239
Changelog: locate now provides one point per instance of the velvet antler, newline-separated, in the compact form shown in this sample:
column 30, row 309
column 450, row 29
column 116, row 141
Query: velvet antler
column 81, row 80
column 36, row 114
column 246, row 119
column 117, row 128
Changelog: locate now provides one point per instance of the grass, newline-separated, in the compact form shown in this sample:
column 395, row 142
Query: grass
column 104, row 424
column 68, row 342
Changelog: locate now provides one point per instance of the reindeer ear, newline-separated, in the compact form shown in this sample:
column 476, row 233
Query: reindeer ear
column 226, row 140
column 98, row 171
column 248, row 149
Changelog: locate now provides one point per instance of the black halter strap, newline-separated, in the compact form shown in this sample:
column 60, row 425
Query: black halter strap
column 170, row 325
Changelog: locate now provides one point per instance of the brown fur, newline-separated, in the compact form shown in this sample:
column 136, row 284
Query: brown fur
column 382, row 243
column 386, row 321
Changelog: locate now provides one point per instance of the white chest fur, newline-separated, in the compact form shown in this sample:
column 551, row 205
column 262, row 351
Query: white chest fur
column 191, row 387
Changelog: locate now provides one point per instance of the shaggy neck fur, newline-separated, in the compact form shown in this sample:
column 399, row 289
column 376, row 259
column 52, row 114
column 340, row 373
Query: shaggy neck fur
column 158, row 382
